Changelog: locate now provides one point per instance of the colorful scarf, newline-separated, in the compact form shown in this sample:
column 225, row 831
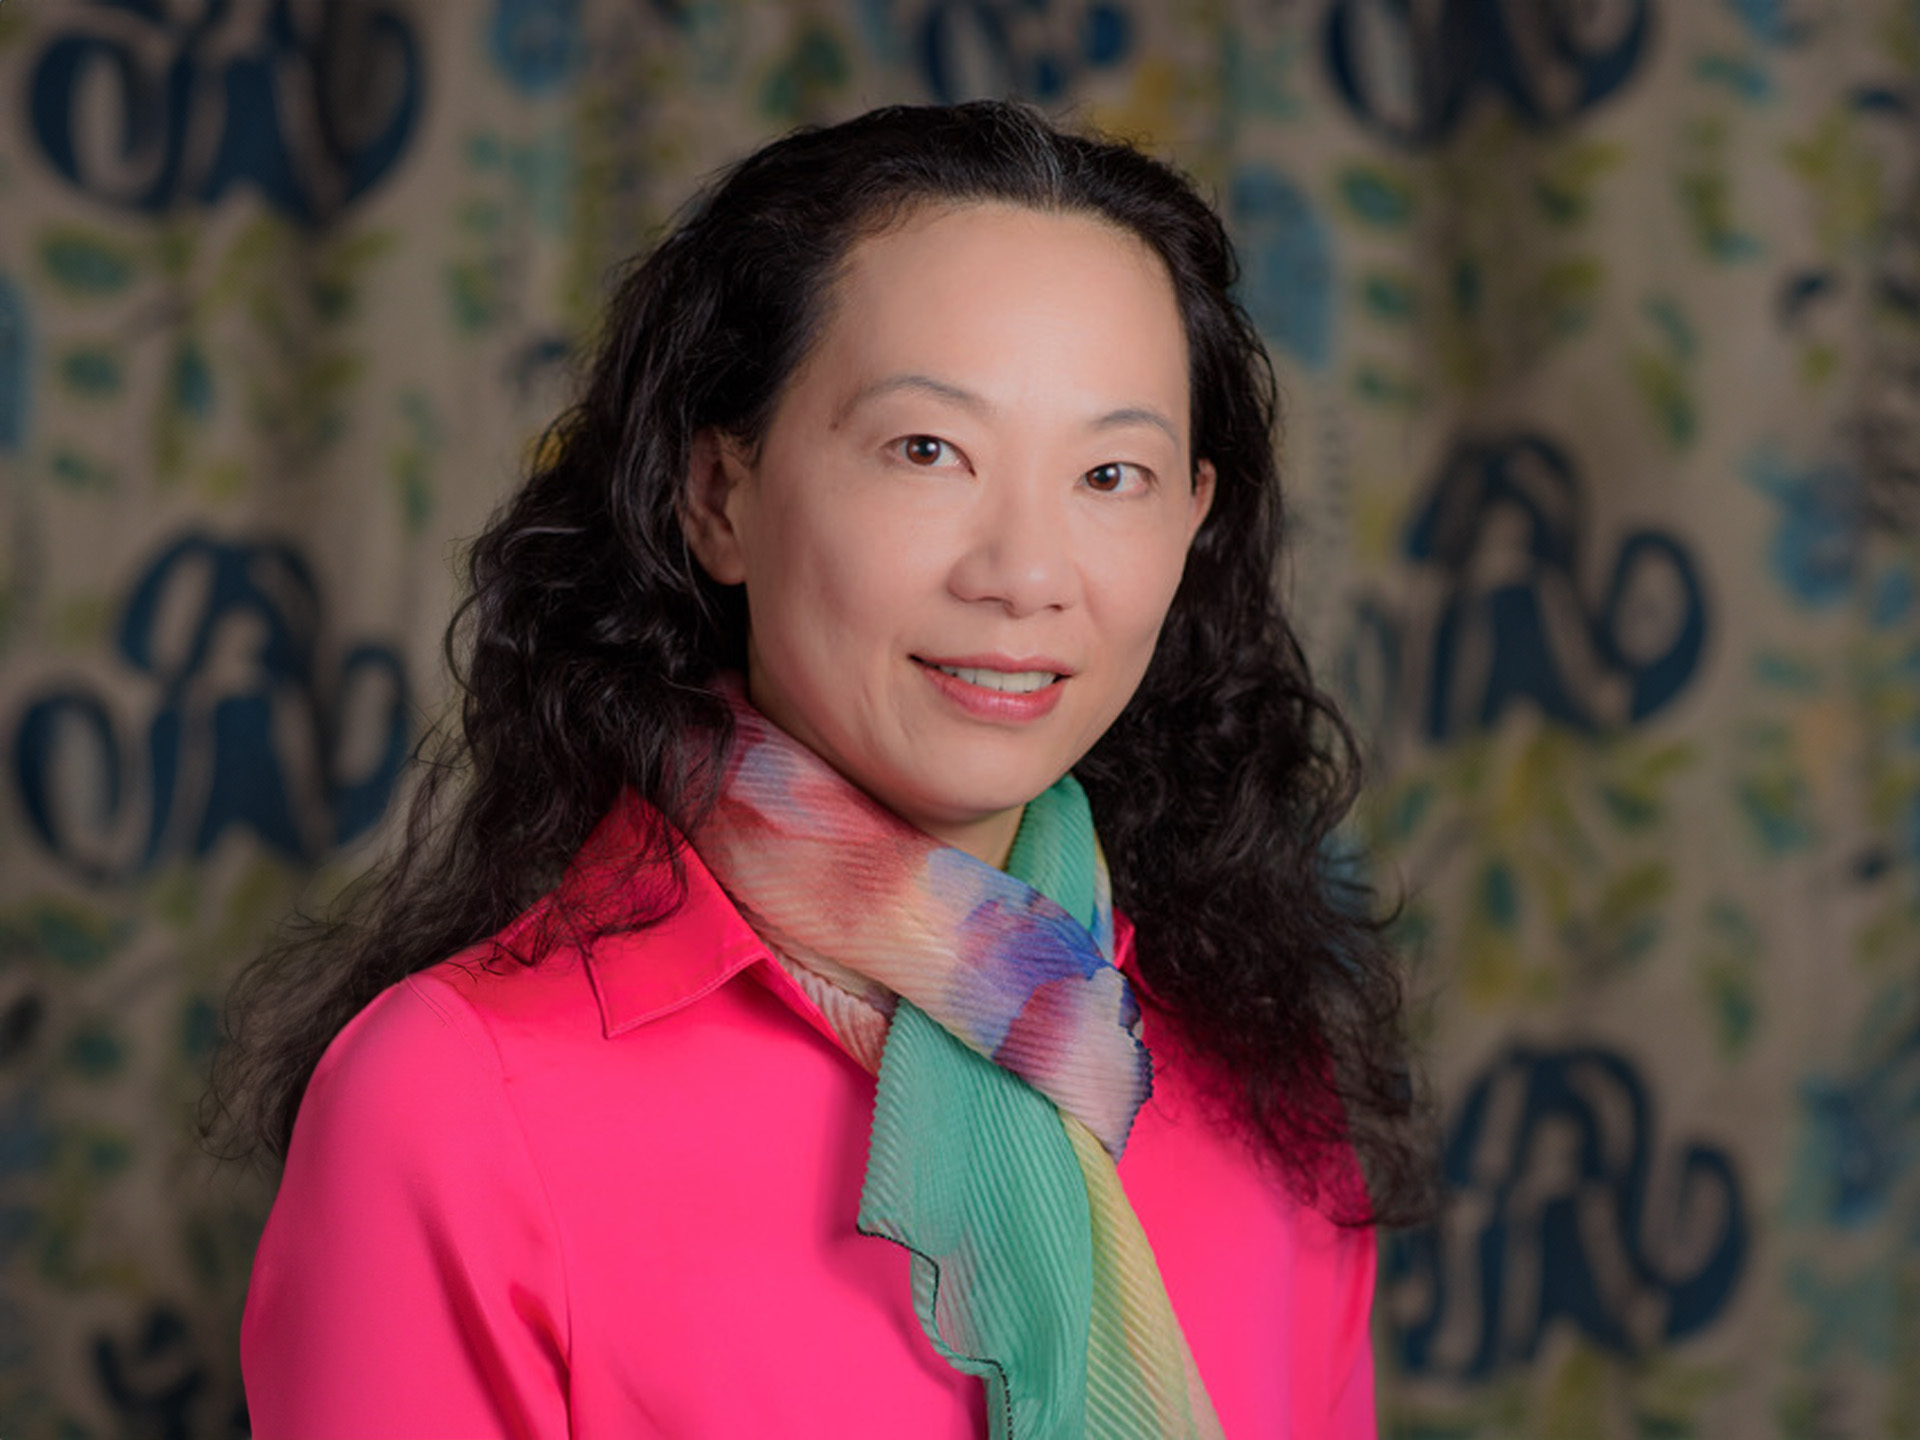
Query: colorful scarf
column 1010, row 1070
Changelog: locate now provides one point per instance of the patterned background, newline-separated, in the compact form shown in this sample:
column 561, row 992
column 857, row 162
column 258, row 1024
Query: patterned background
column 1600, row 326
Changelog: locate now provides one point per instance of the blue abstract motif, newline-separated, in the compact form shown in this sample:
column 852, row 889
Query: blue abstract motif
column 15, row 368
column 1031, row 48
column 1862, row 1137
column 1783, row 23
column 1558, row 1213
column 1858, row 1313
column 537, row 44
column 1287, row 284
column 155, row 1381
column 1503, row 530
column 1411, row 70
column 144, row 105
column 247, row 732
column 1819, row 543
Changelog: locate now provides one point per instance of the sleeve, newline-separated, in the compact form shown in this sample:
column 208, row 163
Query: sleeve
column 410, row 1280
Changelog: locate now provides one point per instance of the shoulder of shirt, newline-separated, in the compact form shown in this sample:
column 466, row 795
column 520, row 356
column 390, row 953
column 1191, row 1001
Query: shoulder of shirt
column 690, row 940
column 421, row 1044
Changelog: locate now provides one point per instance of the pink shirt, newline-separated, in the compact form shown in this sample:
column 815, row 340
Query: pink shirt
column 613, row 1195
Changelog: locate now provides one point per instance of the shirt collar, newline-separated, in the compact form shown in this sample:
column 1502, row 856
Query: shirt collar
column 641, row 975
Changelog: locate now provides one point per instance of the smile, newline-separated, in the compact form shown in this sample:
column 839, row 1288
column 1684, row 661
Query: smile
column 1007, row 682
column 1005, row 690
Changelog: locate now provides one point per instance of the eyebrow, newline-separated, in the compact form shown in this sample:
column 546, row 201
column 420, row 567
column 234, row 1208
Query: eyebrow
column 979, row 405
column 925, row 384
column 1137, row 415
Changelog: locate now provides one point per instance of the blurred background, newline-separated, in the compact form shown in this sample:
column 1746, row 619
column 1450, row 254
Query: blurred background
column 1599, row 327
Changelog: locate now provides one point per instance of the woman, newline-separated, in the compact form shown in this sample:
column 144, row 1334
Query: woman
column 791, row 1071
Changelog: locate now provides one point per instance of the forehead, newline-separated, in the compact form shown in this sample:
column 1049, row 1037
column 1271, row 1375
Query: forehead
column 979, row 287
column 957, row 226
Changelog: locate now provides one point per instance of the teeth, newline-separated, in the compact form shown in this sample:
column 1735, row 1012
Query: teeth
column 1011, row 682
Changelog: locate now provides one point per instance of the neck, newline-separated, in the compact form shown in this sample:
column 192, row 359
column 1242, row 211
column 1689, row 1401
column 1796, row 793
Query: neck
column 988, row 840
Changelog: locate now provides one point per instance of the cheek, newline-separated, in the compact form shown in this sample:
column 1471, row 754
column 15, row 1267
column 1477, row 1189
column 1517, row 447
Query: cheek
column 1140, row 591
column 825, row 589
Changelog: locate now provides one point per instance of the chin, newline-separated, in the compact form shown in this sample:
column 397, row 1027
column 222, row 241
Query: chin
column 981, row 806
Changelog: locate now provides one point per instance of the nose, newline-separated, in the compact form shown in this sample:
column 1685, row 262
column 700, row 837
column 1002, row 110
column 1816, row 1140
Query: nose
column 1018, row 550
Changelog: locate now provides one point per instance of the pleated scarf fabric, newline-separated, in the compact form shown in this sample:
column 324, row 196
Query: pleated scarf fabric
column 1010, row 1068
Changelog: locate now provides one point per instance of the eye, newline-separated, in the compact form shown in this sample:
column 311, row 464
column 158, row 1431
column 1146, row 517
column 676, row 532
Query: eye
column 1117, row 476
column 925, row 451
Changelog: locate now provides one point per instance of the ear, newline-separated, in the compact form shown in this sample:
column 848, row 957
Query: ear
column 1202, row 502
column 715, row 470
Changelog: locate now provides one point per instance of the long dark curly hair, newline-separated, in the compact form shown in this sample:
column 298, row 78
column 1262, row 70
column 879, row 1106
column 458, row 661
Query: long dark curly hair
column 588, row 646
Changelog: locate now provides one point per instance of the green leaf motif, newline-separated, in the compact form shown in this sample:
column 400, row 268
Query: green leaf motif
column 199, row 1030
column 1641, row 888
column 1376, row 384
column 1376, row 196
column 1742, row 79
column 1663, row 386
column 1843, row 180
column 411, row 462
column 1633, row 807
column 813, row 73
column 1261, row 79
column 1410, row 809
column 1775, row 803
column 1388, row 297
column 192, row 381
column 92, row 372
column 1565, row 293
column 1469, row 287
column 1777, row 670
column 1735, row 1007
column 1676, row 331
column 107, row 1153
column 473, row 291
column 60, row 932
column 84, row 266
column 1499, row 895
column 1706, row 199
column 95, row 1053
column 70, row 470
column 1564, row 188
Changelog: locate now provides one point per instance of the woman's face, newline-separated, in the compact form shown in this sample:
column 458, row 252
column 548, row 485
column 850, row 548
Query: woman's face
column 963, row 528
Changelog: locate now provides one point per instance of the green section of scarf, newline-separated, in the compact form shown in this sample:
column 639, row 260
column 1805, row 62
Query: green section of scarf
column 1030, row 1269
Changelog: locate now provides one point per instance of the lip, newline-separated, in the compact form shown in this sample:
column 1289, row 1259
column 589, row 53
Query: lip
column 1009, row 664
column 981, row 703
